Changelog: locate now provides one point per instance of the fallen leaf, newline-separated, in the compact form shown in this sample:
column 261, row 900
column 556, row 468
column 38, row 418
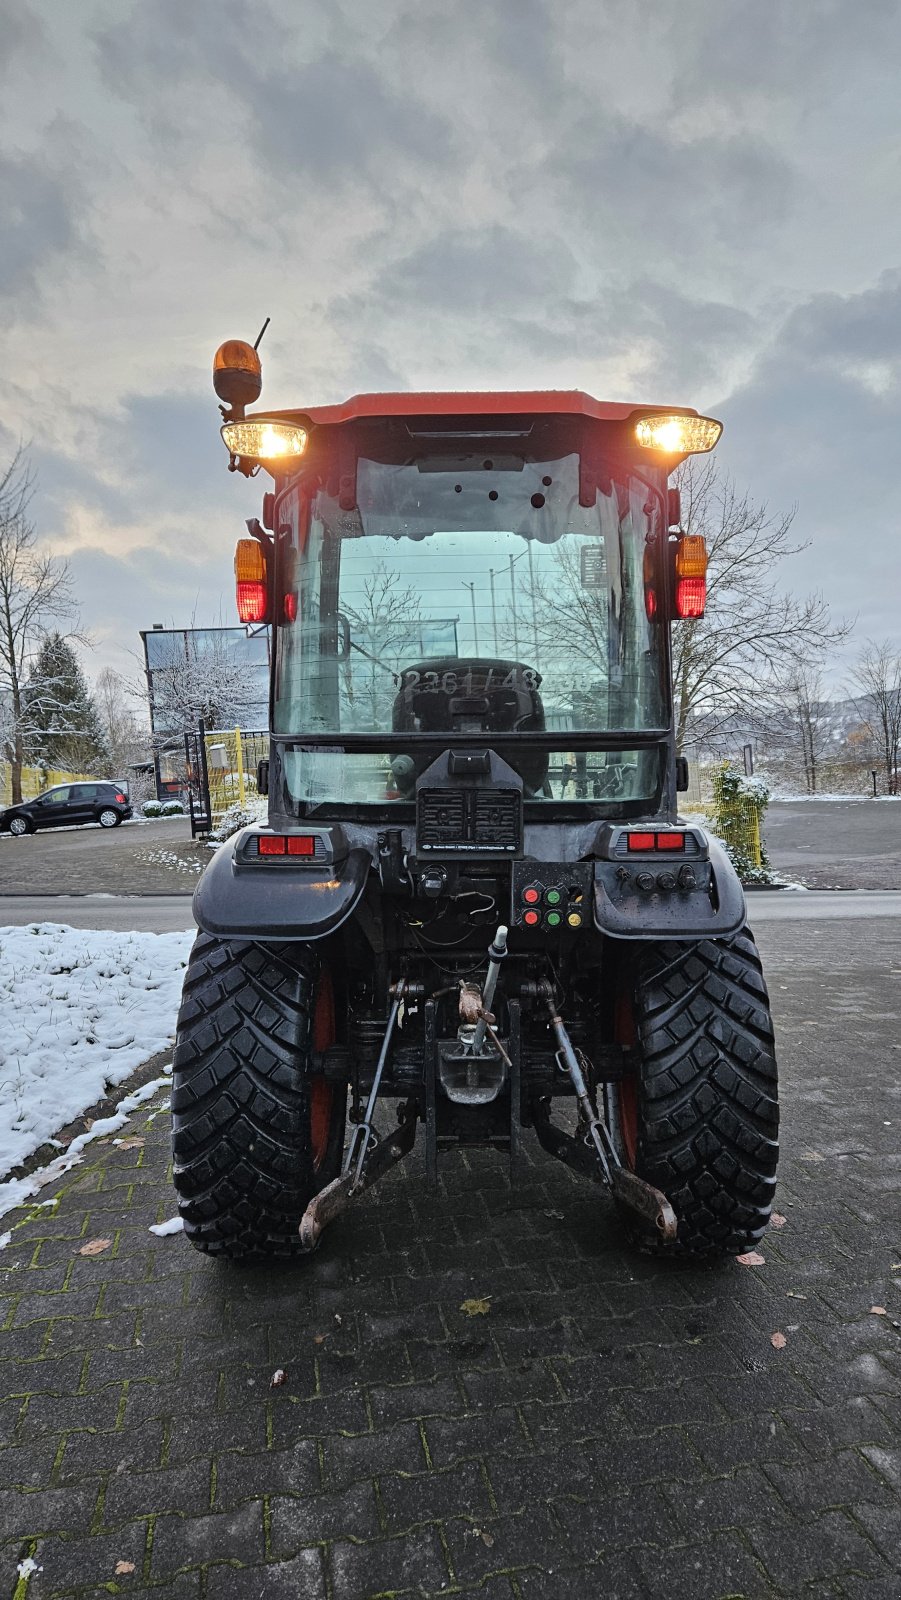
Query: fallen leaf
column 487, row 1538
column 278, row 1378
column 812, row 1155
column 778, row 1341
column 320, row 1338
column 94, row 1247
column 777, row 1220
column 476, row 1308
column 129, row 1144
column 878, row 1311
column 751, row 1258
column 122, row 1567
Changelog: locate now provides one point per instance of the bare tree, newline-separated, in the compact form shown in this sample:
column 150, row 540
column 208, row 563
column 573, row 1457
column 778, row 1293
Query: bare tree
column 878, row 675
column 385, row 622
column 727, row 664
column 123, row 736
column 35, row 588
column 798, row 722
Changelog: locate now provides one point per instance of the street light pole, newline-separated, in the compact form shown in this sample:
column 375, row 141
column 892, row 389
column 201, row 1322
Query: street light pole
column 534, row 608
column 475, row 626
column 513, row 561
column 493, row 608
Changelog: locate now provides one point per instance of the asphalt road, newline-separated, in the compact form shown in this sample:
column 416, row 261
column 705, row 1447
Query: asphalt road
column 171, row 913
column 822, row 844
column 831, row 844
column 121, row 914
column 607, row 1424
column 137, row 858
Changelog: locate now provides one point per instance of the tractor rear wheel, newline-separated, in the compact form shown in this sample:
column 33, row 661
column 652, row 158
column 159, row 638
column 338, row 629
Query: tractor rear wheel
column 255, row 1132
column 700, row 1117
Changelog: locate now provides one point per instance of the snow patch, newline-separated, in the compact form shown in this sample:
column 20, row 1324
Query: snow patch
column 163, row 1229
column 79, row 1011
column 17, row 1190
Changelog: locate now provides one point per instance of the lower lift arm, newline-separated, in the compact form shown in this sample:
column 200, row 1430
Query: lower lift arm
column 648, row 1204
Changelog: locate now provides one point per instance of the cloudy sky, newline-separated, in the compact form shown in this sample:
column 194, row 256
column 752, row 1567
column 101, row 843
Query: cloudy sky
column 695, row 202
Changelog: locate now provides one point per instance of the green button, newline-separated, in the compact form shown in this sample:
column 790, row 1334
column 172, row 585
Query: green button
column 553, row 918
column 553, row 897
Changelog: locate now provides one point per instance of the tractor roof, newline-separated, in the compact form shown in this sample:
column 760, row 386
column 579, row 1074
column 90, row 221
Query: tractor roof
column 540, row 402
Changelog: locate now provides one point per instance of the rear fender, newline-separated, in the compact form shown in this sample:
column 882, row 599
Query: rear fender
column 714, row 910
column 235, row 900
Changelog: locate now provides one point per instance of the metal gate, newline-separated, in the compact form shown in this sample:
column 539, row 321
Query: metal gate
column 197, row 781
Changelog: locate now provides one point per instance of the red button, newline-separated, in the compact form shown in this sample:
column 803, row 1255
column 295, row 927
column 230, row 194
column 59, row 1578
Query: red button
column 530, row 918
column 531, row 896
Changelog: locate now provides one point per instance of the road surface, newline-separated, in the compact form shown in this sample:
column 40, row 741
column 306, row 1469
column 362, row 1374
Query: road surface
column 170, row 913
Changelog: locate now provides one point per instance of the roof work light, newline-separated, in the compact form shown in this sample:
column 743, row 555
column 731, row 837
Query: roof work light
column 676, row 435
column 266, row 439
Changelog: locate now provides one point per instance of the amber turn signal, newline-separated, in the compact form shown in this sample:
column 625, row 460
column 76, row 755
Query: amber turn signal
column 251, row 581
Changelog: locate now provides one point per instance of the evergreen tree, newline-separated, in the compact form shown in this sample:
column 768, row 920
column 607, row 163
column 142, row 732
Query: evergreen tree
column 64, row 728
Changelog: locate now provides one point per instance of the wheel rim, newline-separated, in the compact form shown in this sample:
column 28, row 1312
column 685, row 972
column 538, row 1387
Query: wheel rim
column 627, row 1088
column 18, row 827
column 322, row 1092
column 108, row 819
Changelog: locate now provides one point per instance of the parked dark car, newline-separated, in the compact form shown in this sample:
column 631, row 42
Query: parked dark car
column 67, row 805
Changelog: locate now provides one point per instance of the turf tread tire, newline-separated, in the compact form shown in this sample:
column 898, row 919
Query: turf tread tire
column 708, row 1114
column 241, row 1140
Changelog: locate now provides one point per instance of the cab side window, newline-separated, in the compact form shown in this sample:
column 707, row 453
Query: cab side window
column 57, row 797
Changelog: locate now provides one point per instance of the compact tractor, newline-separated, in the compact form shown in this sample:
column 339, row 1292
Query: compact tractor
column 474, row 897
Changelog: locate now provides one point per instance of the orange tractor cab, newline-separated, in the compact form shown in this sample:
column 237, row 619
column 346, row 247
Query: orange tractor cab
column 474, row 895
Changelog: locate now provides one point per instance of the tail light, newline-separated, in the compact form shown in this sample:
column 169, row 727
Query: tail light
column 251, row 581
column 655, row 841
column 120, row 799
column 691, row 576
column 287, row 844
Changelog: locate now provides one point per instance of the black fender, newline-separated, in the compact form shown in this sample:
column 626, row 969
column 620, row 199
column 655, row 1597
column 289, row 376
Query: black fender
column 714, row 910
column 237, row 900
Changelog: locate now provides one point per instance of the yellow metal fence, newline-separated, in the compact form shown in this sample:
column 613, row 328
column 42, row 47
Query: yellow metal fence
column 231, row 758
column 34, row 781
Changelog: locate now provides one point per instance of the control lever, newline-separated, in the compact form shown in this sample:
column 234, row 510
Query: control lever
column 497, row 953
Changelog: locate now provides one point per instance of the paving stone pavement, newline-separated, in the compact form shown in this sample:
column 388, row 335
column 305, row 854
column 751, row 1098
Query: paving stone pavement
column 613, row 1426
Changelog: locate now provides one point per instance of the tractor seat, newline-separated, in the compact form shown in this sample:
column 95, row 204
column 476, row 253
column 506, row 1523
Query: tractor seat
column 461, row 695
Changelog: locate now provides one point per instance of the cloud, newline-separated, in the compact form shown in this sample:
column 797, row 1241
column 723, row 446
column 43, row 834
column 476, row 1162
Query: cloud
column 817, row 422
column 23, row 38
column 650, row 203
column 36, row 208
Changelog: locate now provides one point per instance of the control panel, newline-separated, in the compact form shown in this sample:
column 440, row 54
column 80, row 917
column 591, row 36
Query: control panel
column 551, row 897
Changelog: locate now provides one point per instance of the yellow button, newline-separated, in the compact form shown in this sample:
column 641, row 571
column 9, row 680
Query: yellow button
column 574, row 919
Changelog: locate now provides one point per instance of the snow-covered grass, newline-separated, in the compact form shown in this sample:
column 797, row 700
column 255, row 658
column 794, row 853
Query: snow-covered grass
column 79, row 1011
column 783, row 797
